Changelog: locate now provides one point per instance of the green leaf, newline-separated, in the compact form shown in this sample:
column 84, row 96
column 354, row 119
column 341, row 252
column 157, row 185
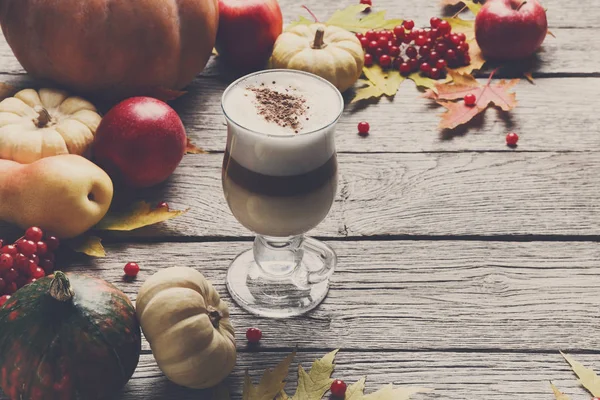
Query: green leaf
column 271, row 383
column 587, row 377
column 90, row 245
column 558, row 394
column 139, row 216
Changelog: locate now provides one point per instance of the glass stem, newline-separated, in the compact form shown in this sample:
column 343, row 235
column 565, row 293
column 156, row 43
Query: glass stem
column 278, row 257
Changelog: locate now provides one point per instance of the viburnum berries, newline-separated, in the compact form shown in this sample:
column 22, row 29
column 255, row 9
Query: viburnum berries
column 512, row 139
column 28, row 259
column 363, row 128
column 406, row 49
column 131, row 269
column 338, row 388
column 470, row 99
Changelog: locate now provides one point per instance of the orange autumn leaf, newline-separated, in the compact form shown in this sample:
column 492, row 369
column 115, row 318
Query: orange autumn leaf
column 190, row 148
column 458, row 113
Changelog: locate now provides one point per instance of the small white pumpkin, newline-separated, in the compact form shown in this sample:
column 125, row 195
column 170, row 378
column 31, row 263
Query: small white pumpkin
column 187, row 326
column 330, row 52
column 35, row 125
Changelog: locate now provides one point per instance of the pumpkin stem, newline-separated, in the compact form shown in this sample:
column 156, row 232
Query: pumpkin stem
column 43, row 118
column 214, row 315
column 60, row 287
column 319, row 43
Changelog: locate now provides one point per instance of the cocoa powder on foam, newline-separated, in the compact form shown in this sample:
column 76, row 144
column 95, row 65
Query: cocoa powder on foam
column 284, row 109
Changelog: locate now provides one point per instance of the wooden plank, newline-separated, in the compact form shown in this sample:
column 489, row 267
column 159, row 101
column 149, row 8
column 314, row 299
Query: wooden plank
column 414, row 194
column 419, row 295
column 459, row 376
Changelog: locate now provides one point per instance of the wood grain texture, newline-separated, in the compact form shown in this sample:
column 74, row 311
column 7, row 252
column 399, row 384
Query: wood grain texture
column 419, row 295
column 414, row 194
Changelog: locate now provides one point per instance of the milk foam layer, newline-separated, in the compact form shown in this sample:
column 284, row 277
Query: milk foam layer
column 270, row 149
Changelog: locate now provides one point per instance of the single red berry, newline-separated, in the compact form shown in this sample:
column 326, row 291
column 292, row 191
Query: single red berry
column 434, row 22
column 424, row 51
column 21, row 262
column 52, row 242
column 34, row 234
column 253, row 335
column 30, row 265
column 425, row 68
column 441, row 64
column 41, row 248
column 385, row 61
column 399, row 32
column 512, row 139
column 435, row 73
column 462, row 37
column 394, row 51
column 408, row 24
column 434, row 56
column 455, row 40
column 363, row 128
column 47, row 265
column 404, row 68
column 371, row 35
column 358, row 36
column 470, row 99
column 460, row 49
column 413, row 63
column 444, row 27
column 364, row 42
column 35, row 258
column 372, row 46
column 4, row 299
column 451, row 55
column 411, row 52
column 6, row 261
column 11, row 275
column 338, row 388
column 131, row 269
column 383, row 42
column 27, row 247
column 420, row 40
column 368, row 60
column 441, row 48
column 407, row 39
column 367, row 2
column 465, row 47
column 378, row 53
column 434, row 33
column 37, row 272
column 9, row 249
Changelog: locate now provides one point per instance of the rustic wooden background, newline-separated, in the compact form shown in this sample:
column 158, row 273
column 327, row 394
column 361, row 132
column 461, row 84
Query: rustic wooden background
column 463, row 265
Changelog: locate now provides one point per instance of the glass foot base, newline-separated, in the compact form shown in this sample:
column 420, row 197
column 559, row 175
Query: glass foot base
column 281, row 296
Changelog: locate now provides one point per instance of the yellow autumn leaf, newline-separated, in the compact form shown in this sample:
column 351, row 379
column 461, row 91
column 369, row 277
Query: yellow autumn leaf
column 462, row 26
column 558, row 394
column 422, row 81
column 139, row 216
column 356, row 390
column 367, row 91
column 191, row 148
column 271, row 383
column 587, row 377
column 391, row 392
column 90, row 245
column 470, row 4
column 314, row 384
column 348, row 19
column 388, row 81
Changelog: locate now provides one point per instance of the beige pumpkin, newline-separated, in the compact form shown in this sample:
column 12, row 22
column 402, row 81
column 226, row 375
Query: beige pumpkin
column 187, row 326
column 328, row 51
column 35, row 125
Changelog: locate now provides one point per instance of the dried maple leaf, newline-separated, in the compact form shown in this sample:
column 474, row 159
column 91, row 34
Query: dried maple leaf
column 380, row 82
column 313, row 385
column 558, row 394
column 459, row 113
column 190, row 148
column 139, row 216
column 587, row 377
column 347, row 19
column 271, row 383
column 90, row 245
column 422, row 81
column 389, row 392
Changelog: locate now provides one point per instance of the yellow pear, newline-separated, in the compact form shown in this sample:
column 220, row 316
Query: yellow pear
column 65, row 195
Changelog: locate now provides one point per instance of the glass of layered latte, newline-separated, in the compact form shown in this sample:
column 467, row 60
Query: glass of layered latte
column 280, row 179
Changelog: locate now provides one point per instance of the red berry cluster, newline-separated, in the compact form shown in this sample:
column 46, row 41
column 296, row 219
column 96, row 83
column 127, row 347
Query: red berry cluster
column 28, row 259
column 409, row 50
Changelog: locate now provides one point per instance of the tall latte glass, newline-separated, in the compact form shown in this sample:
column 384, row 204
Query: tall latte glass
column 280, row 180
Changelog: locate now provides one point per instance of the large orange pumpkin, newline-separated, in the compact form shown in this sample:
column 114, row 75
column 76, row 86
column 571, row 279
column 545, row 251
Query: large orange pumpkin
column 115, row 48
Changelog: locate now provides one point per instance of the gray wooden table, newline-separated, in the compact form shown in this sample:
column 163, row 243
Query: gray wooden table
column 463, row 265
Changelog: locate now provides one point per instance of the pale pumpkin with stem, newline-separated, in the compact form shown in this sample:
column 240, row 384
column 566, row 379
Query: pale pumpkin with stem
column 38, row 124
column 330, row 52
column 187, row 326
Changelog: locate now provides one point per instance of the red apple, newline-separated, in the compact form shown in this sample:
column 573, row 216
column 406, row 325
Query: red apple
column 510, row 29
column 247, row 32
column 140, row 142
